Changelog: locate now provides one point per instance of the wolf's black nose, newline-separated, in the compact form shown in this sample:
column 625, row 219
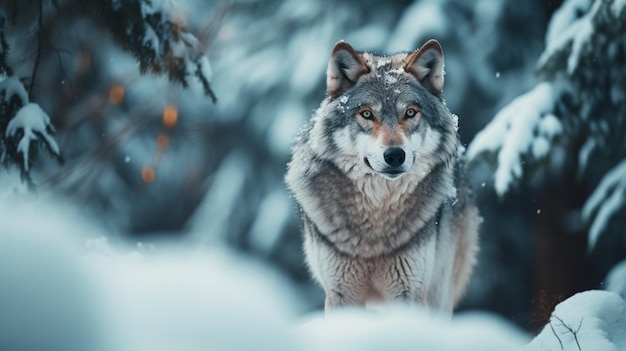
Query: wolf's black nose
column 394, row 156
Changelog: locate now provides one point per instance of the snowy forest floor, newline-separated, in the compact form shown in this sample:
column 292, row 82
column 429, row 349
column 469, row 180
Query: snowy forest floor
column 65, row 286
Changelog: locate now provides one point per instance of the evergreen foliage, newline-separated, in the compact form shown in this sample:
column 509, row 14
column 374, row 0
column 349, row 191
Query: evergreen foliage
column 582, row 65
column 152, row 30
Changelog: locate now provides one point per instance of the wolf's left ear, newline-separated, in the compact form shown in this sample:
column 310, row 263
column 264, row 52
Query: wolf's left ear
column 426, row 64
column 344, row 69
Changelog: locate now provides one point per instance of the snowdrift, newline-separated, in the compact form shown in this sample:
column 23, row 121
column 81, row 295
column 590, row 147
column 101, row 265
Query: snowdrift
column 64, row 286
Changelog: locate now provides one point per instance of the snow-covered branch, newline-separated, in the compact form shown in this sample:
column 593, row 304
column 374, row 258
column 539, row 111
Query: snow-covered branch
column 522, row 130
column 572, row 36
column 607, row 200
column 12, row 90
column 155, row 32
column 28, row 128
column 31, row 124
column 582, row 101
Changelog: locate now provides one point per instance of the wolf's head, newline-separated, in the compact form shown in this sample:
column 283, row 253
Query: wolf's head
column 385, row 114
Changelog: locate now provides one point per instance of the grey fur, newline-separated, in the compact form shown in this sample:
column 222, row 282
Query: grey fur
column 370, row 235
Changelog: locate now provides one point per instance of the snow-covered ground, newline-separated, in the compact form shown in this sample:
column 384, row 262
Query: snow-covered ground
column 592, row 320
column 67, row 285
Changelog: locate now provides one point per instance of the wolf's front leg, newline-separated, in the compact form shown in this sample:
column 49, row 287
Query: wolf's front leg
column 335, row 299
column 346, row 284
column 400, row 278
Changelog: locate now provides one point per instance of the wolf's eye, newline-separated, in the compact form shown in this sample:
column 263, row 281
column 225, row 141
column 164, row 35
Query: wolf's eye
column 410, row 113
column 367, row 114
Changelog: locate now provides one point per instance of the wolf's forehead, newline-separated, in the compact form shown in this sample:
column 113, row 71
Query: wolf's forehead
column 384, row 63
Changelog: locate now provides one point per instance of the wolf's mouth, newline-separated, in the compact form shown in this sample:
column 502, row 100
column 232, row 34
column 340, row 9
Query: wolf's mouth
column 389, row 173
column 367, row 163
column 392, row 173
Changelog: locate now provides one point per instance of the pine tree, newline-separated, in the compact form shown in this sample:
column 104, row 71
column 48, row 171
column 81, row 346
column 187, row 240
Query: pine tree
column 570, row 126
column 150, row 29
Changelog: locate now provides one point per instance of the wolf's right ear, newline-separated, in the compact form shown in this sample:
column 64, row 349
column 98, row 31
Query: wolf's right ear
column 344, row 69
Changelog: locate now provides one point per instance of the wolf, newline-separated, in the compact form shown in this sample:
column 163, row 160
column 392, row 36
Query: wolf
column 379, row 176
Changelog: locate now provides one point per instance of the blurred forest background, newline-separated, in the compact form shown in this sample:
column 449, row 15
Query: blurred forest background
column 129, row 86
